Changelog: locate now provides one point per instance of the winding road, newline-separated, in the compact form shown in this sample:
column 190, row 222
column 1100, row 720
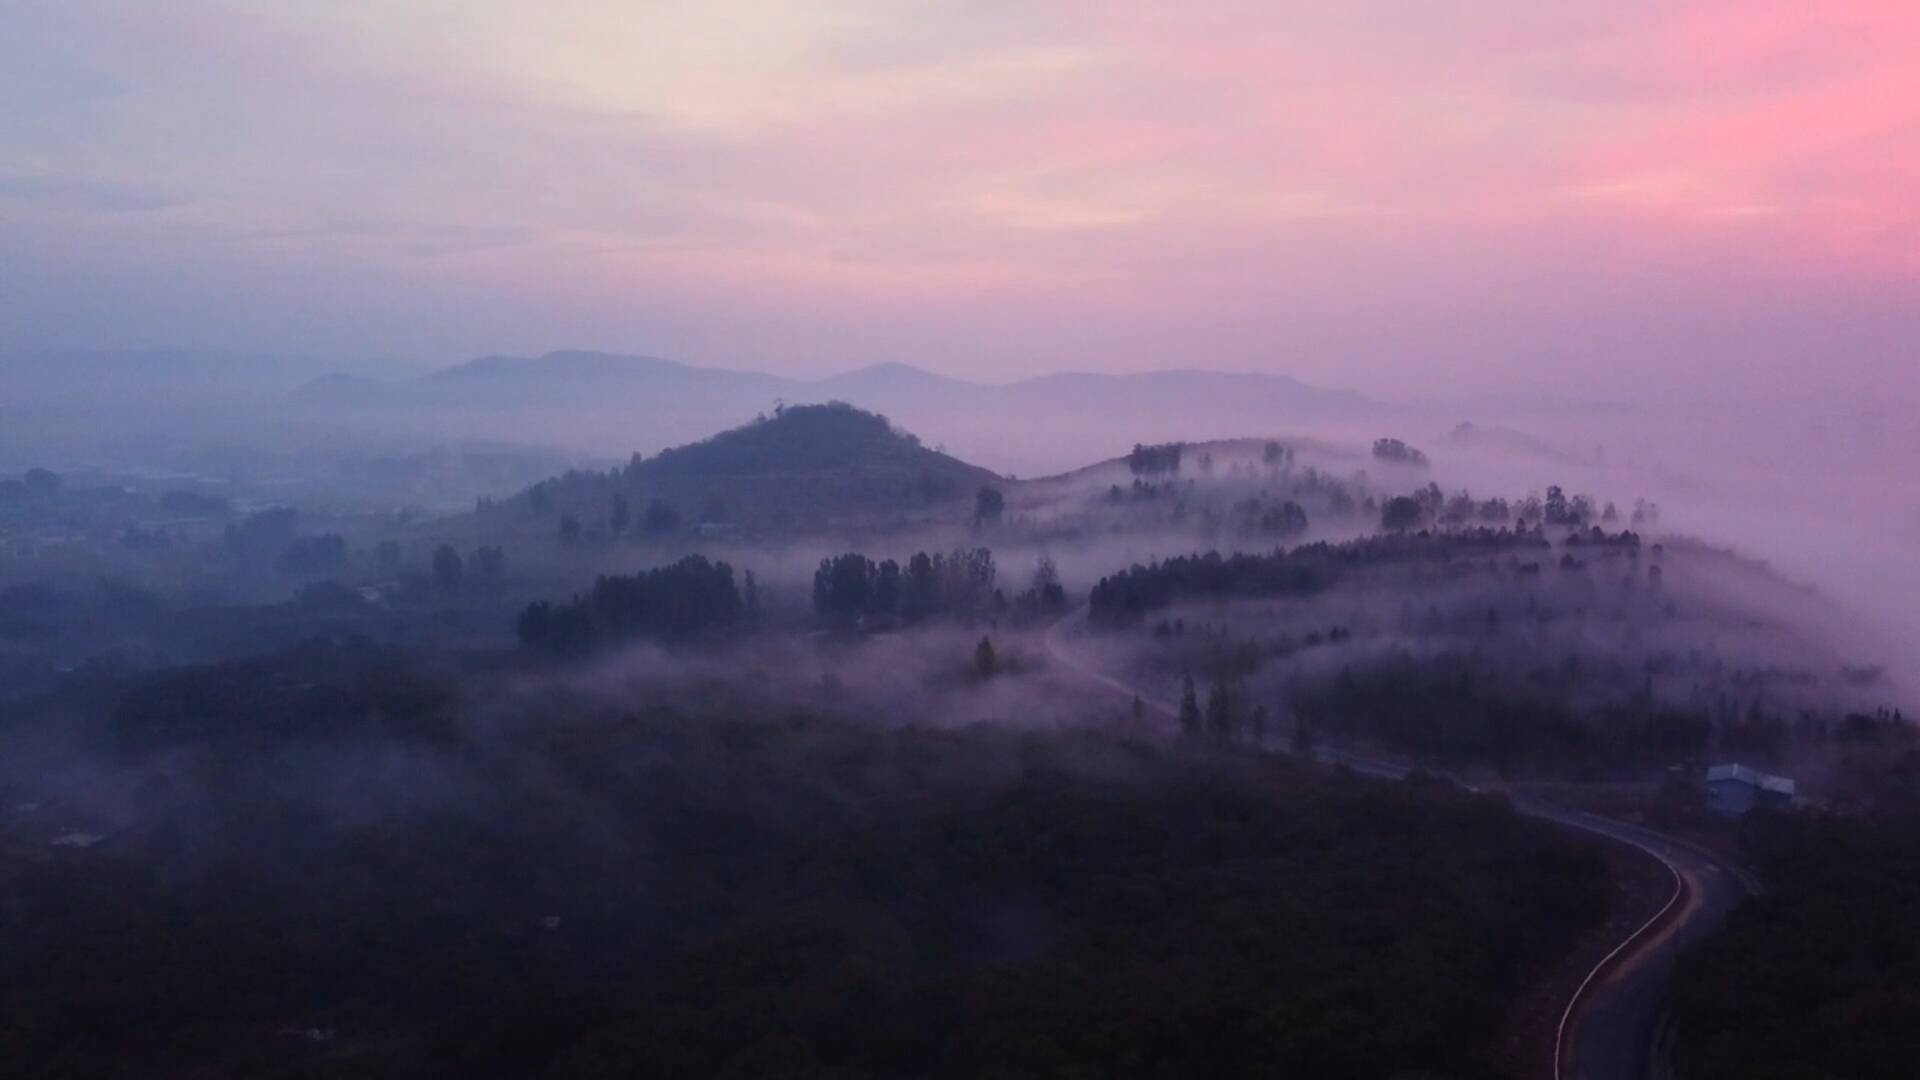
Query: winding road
column 1611, row 1023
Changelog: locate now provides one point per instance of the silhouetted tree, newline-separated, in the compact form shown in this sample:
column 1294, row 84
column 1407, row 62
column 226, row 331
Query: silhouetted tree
column 1554, row 510
column 843, row 586
column 846, row 587
column 1286, row 519
column 661, row 517
column 1302, row 741
column 678, row 602
column 327, row 595
column 886, row 587
column 988, row 506
column 1155, row 460
column 1300, row 571
column 620, row 516
column 922, row 586
column 447, row 568
column 1221, row 718
column 1401, row 513
column 1190, row 719
column 489, row 561
column 1398, row 453
column 985, row 663
column 1044, row 596
column 307, row 555
column 42, row 483
column 263, row 533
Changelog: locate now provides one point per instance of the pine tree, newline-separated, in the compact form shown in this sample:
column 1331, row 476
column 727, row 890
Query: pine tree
column 1189, row 708
column 984, row 660
column 1302, row 744
column 447, row 568
column 1220, row 718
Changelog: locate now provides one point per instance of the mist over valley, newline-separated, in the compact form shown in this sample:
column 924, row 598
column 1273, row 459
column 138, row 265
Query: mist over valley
column 854, row 541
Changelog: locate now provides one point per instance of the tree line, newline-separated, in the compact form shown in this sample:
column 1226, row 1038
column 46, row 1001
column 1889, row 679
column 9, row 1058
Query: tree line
column 1301, row 571
column 688, row 599
column 1155, row 459
column 1396, row 451
column 851, row 588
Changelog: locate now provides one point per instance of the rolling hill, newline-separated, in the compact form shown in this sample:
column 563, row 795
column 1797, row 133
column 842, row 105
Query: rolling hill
column 800, row 465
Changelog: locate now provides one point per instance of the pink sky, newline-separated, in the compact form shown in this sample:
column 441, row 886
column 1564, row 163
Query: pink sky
column 1606, row 197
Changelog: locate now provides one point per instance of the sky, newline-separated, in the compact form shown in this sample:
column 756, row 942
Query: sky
column 1673, row 200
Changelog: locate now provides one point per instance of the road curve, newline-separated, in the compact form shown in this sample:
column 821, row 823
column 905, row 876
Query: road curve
column 1608, row 1027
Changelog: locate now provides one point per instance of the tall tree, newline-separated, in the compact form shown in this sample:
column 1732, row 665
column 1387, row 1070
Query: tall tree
column 447, row 568
column 1555, row 508
column 1221, row 721
column 661, row 517
column 988, row 506
column 1302, row 741
column 1401, row 513
column 489, row 560
column 1189, row 707
column 984, row 660
column 41, row 482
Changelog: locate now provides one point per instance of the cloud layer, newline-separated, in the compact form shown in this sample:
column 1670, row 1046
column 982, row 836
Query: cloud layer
column 1393, row 194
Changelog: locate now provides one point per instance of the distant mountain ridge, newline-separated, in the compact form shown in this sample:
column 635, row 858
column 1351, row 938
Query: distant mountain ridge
column 547, row 373
column 607, row 405
column 514, row 382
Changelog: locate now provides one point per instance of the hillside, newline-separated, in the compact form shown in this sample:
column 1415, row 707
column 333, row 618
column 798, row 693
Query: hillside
column 801, row 464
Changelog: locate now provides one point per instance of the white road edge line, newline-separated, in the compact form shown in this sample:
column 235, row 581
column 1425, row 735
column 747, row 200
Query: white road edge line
column 1679, row 890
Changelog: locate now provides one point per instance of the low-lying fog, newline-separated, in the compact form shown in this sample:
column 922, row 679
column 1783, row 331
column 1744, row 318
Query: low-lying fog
column 1821, row 492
